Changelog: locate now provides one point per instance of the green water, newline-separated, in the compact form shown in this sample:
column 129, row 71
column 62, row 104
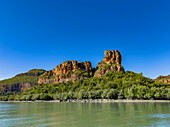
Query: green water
column 25, row 114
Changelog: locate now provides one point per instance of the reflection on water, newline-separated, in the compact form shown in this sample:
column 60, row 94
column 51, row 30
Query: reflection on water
column 84, row 114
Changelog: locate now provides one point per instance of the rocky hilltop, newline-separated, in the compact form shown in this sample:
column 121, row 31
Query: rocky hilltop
column 163, row 79
column 110, row 62
column 111, row 57
column 67, row 71
column 73, row 70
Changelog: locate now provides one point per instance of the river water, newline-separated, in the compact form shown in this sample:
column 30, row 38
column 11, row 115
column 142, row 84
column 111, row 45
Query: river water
column 118, row 114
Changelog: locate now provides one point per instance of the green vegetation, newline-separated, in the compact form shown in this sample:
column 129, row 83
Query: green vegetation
column 33, row 72
column 23, row 79
column 113, row 85
column 30, row 77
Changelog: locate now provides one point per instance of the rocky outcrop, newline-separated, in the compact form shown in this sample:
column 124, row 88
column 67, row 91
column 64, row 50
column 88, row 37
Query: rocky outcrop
column 73, row 70
column 111, row 57
column 110, row 62
column 72, row 66
column 67, row 71
column 163, row 79
column 16, row 87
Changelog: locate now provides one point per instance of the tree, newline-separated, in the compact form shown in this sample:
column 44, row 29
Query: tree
column 121, row 94
column 112, row 94
column 82, row 94
column 104, row 94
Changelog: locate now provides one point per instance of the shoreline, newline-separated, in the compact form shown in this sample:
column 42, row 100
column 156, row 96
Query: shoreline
column 93, row 101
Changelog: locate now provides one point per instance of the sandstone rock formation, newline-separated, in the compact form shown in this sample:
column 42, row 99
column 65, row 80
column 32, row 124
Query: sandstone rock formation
column 67, row 71
column 73, row 66
column 111, row 57
column 163, row 79
column 110, row 62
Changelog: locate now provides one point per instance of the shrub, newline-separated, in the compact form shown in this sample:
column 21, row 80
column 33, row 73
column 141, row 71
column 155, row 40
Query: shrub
column 72, row 95
column 95, row 94
column 29, row 97
column 36, row 97
column 130, row 93
column 148, row 95
column 157, row 95
column 23, row 97
column 83, row 94
column 45, row 96
column 92, row 94
column 168, row 94
column 11, row 98
column 17, row 98
column 112, row 94
column 4, row 98
column 99, row 94
column 61, row 96
column 110, row 85
column 121, row 94
column 55, row 96
column 141, row 91
column 104, row 94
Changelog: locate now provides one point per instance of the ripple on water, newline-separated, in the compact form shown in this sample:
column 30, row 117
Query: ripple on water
column 84, row 114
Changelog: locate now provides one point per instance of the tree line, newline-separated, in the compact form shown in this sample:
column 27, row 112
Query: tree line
column 113, row 85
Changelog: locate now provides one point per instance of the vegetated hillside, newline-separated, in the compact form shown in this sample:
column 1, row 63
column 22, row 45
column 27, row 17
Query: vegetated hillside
column 164, row 79
column 21, row 81
column 113, row 85
column 67, row 71
column 74, row 70
column 77, row 80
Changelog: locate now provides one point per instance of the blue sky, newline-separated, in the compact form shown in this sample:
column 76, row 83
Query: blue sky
column 44, row 33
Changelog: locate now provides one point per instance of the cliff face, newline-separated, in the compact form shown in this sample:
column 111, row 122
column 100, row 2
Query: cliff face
column 163, row 79
column 111, row 57
column 73, row 70
column 16, row 87
column 110, row 62
column 73, row 66
column 67, row 71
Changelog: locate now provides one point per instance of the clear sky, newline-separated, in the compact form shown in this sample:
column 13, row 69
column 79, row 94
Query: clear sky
column 44, row 33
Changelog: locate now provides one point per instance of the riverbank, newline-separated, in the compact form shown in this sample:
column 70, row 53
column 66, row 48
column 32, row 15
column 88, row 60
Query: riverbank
column 93, row 101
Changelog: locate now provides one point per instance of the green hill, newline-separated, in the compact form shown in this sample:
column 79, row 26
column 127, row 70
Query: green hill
column 29, row 77
column 113, row 85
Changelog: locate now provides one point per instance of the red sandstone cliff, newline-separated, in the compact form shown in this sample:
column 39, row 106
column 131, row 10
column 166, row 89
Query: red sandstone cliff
column 110, row 62
column 67, row 71
column 73, row 70
column 163, row 79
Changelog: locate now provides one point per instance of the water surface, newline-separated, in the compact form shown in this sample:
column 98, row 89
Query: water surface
column 121, row 114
